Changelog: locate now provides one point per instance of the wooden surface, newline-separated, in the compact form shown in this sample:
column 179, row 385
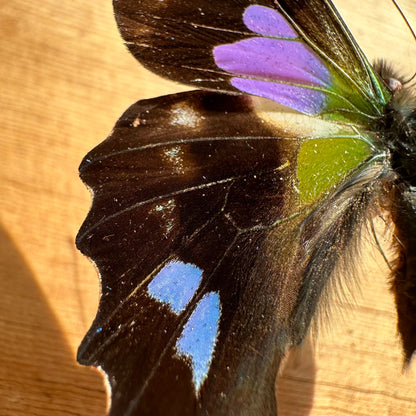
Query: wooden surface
column 65, row 79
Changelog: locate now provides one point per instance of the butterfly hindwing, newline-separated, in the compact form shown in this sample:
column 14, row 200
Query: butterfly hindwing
column 205, row 277
column 179, row 223
column 182, row 203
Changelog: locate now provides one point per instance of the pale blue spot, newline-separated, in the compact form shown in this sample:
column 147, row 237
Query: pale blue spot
column 199, row 336
column 175, row 284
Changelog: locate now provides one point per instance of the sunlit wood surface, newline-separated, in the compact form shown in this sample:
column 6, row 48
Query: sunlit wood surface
column 65, row 79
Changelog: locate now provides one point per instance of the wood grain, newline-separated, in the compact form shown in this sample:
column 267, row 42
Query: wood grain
column 66, row 77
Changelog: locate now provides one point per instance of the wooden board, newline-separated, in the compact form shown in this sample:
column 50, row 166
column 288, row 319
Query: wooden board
column 65, row 79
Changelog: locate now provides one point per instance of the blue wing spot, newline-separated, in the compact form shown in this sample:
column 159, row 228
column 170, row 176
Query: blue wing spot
column 199, row 336
column 175, row 284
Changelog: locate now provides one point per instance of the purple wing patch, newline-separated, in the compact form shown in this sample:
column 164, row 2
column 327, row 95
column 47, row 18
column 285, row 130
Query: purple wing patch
column 305, row 100
column 274, row 59
column 269, row 67
column 266, row 21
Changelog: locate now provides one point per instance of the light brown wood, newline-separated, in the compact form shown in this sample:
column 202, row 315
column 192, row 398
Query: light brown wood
column 65, row 79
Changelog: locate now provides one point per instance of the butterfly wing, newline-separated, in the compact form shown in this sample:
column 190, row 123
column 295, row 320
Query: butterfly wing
column 298, row 53
column 211, row 224
column 178, row 231
column 195, row 231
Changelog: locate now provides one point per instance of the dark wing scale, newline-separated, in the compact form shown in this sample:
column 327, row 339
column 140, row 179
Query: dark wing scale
column 175, row 38
column 149, row 208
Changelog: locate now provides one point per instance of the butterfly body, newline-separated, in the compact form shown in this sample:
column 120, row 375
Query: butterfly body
column 220, row 216
column 398, row 137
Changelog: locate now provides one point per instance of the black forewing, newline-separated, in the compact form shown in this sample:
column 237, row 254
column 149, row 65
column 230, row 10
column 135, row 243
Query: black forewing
column 175, row 39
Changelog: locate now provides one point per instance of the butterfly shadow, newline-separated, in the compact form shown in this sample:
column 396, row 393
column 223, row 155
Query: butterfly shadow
column 38, row 369
column 295, row 384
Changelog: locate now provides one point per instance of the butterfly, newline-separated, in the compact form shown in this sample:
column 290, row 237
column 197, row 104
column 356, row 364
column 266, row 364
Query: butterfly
column 220, row 215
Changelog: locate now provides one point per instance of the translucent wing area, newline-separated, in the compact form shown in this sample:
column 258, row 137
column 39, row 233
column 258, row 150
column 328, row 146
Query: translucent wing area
column 298, row 53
